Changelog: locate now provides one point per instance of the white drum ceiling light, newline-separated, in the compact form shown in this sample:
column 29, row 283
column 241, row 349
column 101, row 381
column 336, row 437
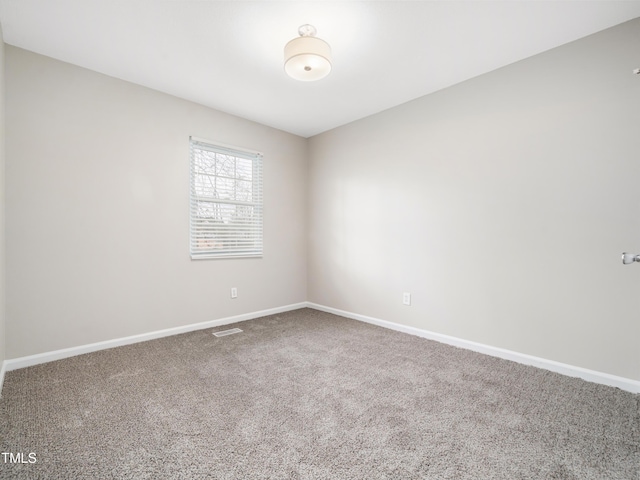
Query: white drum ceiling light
column 307, row 57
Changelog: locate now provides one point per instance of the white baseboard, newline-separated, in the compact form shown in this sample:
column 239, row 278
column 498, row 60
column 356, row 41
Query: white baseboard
column 565, row 369
column 623, row 383
column 28, row 361
column 3, row 368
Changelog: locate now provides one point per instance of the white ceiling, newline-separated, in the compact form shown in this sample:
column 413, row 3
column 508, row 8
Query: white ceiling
column 229, row 54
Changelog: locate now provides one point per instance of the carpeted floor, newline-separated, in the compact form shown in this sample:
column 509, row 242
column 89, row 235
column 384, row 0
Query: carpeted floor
column 309, row 395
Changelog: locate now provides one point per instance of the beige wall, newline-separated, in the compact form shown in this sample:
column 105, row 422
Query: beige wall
column 97, row 211
column 501, row 204
column 3, row 355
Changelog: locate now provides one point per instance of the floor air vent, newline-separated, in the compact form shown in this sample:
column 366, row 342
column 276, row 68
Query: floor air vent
column 224, row 333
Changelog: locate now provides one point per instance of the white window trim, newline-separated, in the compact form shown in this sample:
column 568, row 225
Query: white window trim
column 256, row 227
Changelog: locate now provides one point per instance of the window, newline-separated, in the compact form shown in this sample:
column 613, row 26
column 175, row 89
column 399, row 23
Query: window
column 226, row 201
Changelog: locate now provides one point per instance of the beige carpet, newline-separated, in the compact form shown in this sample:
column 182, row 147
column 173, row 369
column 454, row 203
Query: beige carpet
column 309, row 395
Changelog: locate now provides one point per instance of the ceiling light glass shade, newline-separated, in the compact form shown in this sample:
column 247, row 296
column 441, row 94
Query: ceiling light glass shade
column 307, row 58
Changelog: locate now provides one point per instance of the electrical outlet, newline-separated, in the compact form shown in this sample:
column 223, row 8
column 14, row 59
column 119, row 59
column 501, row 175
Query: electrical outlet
column 234, row 292
column 406, row 298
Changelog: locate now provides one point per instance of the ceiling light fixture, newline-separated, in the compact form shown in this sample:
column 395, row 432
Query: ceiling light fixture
column 307, row 57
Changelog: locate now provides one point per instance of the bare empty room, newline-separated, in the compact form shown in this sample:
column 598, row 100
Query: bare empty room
column 319, row 239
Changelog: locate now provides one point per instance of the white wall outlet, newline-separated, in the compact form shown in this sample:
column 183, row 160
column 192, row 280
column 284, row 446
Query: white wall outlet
column 406, row 298
column 234, row 292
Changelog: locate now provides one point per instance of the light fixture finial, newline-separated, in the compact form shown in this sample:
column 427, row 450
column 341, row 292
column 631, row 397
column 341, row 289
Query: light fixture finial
column 307, row 31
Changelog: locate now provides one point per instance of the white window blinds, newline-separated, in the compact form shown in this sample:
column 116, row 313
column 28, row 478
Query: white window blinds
column 226, row 201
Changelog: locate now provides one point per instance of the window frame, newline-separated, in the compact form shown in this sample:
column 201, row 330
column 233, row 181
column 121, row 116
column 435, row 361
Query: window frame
column 252, row 230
